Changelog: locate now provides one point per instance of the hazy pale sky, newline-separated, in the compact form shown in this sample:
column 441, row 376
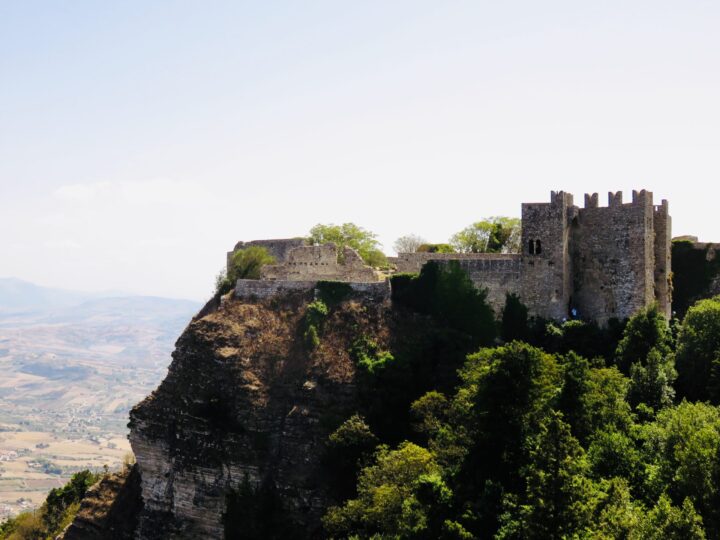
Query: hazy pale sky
column 140, row 140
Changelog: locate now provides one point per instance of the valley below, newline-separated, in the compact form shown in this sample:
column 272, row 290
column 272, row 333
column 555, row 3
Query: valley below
column 68, row 378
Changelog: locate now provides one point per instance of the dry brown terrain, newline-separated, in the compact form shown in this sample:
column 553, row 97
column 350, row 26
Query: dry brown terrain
column 67, row 381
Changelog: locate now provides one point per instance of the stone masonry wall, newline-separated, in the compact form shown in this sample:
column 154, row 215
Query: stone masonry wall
column 308, row 263
column 254, row 288
column 546, row 265
column 496, row 272
column 278, row 248
column 613, row 258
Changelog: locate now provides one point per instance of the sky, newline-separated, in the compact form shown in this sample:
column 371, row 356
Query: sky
column 139, row 141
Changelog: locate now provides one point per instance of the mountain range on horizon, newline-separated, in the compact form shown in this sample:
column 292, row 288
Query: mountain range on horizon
column 19, row 296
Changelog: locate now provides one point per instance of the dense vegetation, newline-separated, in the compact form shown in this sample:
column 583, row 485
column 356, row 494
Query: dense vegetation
column 693, row 272
column 245, row 264
column 349, row 235
column 54, row 515
column 550, row 430
column 498, row 234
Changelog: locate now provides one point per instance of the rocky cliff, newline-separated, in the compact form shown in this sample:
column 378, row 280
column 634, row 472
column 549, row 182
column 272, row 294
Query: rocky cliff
column 240, row 422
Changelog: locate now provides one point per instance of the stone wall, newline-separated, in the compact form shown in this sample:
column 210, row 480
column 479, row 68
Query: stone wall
column 613, row 251
column 313, row 263
column 596, row 262
column 278, row 248
column 258, row 289
column 546, row 283
column 496, row 272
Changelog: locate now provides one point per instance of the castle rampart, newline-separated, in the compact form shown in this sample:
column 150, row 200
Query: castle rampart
column 321, row 263
column 593, row 262
column 259, row 289
column 278, row 248
column 499, row 273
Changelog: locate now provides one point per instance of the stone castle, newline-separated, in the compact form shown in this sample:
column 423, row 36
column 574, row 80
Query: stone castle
column 593, row 262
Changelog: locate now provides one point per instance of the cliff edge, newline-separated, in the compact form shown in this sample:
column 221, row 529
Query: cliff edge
column 240, row 422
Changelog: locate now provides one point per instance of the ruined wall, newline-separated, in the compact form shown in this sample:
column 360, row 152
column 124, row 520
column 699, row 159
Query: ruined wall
column 313, row 263
column 257, row 289
column 613, row 251
column 278, row 248
column 546, row 264
column 496, row 272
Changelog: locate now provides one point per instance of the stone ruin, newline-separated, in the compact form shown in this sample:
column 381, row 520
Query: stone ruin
column 308, row 263
column 299, row 267
column 593, row 262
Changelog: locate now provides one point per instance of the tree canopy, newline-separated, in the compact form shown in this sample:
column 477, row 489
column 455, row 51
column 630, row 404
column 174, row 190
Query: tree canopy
column 245, row 263
column 492, row 235
column 536, row 440
column 349, row 235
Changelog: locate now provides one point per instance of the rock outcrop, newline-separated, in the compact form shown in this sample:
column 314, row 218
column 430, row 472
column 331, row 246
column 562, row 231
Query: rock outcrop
column 245, row 411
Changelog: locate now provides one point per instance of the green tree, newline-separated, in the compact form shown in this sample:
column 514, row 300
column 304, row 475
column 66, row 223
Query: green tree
column 245, row 264
column 493, row 235
column 698, row 352
column 593, row 399
column 435, row 248
column 645, row 331
column 349, row 447
column 681, row 448
column 615, row 513
column 504, row 396
column 558, row 500
column 667, row 522
column 514, row 322
column 651, row 382
column 449, row 295
column 349, row 235
column 387, row 503
column 614, row 454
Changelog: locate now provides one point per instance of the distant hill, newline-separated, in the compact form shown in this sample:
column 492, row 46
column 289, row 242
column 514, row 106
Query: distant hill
column 61, row 305
column 17, row 295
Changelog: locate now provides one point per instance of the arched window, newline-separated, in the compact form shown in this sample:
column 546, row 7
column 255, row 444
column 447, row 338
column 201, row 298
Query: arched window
column 535, row 247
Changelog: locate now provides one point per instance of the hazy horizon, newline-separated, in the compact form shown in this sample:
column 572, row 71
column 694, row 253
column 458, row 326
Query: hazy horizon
column 139, row 143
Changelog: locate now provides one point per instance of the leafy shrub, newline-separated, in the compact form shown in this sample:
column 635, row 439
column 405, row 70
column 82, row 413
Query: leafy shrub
column 56, row 513
column 333, row 292
column 698, row 352
column 447, row 293
column 435, row 248
column 349, row 448
column 245, row 264
column 514, row 322
column 693, row 270
column 349, row 235
column 315, row 316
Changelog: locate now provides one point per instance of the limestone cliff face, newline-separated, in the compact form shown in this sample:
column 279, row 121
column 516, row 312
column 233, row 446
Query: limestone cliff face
column 246, row 403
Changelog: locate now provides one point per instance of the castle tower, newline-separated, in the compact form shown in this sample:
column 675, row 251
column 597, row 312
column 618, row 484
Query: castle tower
column 546, row 262
column 614, row 253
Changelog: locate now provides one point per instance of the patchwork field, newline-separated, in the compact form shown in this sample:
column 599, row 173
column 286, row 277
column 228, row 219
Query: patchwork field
column 68, row 379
